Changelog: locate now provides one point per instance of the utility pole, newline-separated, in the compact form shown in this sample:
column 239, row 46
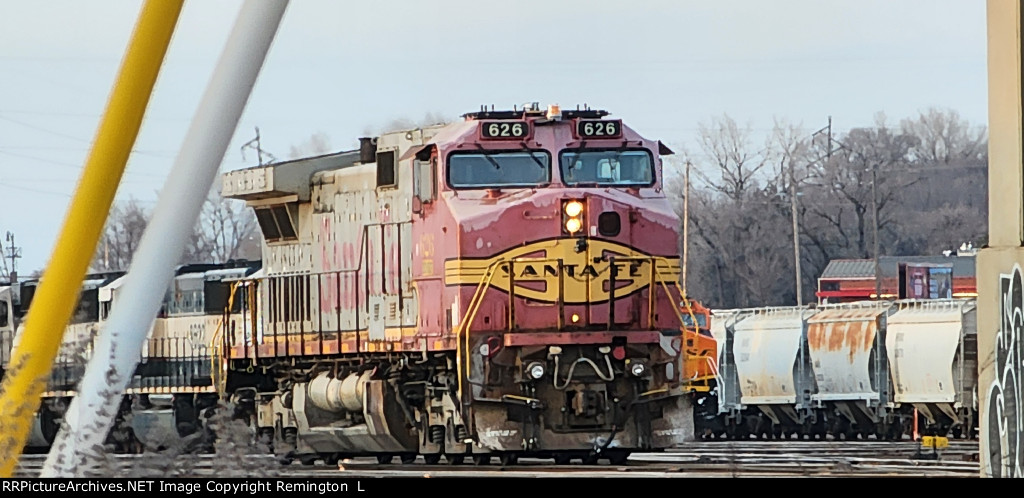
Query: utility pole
column 829, row 153
column 255, row 144
column 796, row 235
column 828, row 135
column 793, row 207
column 874, row 211
column 686, row 223
column 14, row 253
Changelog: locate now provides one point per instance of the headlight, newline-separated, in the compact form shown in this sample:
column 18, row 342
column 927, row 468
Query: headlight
column 637, row 369
column 573, row 208
column 536, row 370
column 573, row 217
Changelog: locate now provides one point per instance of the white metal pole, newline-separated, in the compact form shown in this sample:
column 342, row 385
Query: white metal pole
column 119, row 345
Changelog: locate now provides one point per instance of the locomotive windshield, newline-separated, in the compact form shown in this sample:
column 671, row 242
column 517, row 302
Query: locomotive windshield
column 607, row 167
column 499, row 169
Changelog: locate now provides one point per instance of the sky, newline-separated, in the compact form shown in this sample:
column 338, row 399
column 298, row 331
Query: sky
column 345, row 69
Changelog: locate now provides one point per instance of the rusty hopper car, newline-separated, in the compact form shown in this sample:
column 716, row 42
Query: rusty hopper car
column 871, row 369
column 502, row 286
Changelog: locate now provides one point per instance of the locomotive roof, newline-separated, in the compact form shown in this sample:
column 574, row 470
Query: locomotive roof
column 283, row 178
column 460, row 130
column 522, row 114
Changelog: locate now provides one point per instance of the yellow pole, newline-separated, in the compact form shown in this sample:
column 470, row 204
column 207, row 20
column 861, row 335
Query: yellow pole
column 57, row 295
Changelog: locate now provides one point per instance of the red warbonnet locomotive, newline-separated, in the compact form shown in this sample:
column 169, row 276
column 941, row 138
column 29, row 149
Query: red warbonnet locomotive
column 502, row 286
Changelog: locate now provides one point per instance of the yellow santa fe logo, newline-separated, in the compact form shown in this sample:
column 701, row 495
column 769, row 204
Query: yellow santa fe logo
column 585, row 276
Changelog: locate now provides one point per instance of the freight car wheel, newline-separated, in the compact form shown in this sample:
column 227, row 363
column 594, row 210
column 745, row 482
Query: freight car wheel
column 408, row 458
column 454, row 459
column 508, row 459
column 385, row 459
column 481, row 459
column 563, row 459
column 432, row 459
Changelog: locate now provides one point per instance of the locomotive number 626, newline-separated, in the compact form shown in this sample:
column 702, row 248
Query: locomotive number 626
column 599, row 128
column 505, row 129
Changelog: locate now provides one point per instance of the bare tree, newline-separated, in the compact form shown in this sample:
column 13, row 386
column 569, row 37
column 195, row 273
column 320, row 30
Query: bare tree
column 728, row 217
column 945, row 137
column 927, row 179
column 945, row 228
column 949, row 203
column 734, row 164
column 869, row 171
column 125, row 225
column 225, row 230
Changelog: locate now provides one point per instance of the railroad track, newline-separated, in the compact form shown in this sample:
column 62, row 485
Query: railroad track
column 957, row 449
column 698, row 459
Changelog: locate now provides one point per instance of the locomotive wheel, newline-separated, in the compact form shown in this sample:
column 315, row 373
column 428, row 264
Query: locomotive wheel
column 618, row 457
column 958, row 431
column 265, row 439
column 49, row 422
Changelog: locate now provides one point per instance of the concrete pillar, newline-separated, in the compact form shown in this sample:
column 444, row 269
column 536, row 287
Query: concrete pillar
column 1000, row 289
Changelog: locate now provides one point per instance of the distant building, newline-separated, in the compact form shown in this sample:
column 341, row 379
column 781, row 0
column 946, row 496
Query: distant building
column 922, row 277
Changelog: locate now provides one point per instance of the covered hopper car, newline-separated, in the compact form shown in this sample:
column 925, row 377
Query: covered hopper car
column 879, row 370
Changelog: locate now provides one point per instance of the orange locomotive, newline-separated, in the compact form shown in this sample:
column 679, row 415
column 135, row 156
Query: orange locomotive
column 503, row 286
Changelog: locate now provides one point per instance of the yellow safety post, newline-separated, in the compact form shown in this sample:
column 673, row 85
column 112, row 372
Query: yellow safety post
column 59, row 287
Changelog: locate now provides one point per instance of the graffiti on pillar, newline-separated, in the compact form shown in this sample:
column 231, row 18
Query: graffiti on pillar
column 1003, row 437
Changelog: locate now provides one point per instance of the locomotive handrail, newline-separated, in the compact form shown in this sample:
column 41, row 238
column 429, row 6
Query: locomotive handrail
column 216, row 345
column 463, row 327
column 711, row 361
